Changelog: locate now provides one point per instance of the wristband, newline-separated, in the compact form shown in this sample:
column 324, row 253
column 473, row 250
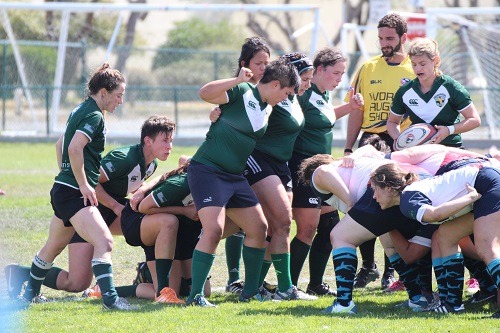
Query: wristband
column 451, row 128
column 347, row 150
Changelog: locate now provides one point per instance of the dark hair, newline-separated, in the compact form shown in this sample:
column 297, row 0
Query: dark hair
column 309, row 165
column 376, row 141
column 104, row 77
column 328, row 56
column 180, row 170
column 251, row 46
column 300, row 60
column 155, row 125
column 392, row 176
column 283, row 71
column 395, row 21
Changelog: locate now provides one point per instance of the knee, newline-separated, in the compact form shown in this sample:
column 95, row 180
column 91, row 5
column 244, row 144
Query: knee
column 306, row 231
column 213, row 235
column 171, row 223
column 77, row 286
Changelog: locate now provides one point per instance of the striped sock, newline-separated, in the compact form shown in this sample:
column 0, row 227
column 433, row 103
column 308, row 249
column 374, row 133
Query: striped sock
column 454, row 267
column 38, row 272
column 345, row 262
column 440, row 274
column 408, row 274
column 103, row 272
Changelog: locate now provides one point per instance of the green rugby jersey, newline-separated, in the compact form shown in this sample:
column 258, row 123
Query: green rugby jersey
column 285, row 123
column 231, row 140
column 126, row 170
column 440, row 106
column 173, row 192
column 88, row 119
column 317, row 135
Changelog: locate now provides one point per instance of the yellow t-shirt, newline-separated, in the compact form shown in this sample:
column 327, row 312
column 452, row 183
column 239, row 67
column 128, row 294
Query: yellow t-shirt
column 378, row 81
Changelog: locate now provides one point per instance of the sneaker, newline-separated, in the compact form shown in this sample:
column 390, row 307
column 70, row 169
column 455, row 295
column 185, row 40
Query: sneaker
column 395, row 286
column 262, row 295
column 168, row 296
column 387, row 279
column 143, row 274
column 443, row 308
column 235, row 287
column 15, row 280
column 417, row 306
column 482, row 296
column 272, row 288
column 336, row 307
column 22, row 303
column 293, row 294
column 365, row 276
column 200, row 300
column 472, row 285
column 266, row 295
column 94, row 292
column 121, row 304
column 321, row 290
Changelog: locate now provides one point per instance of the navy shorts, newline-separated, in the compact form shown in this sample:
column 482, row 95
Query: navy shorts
column 261, row 165
column 303, row 195
column 212, row 187
column 423, row 236
column 488, row 185
column 367, row 212
column 66, row 202
column 131, row 228
column 187, row 238
column 107, row 214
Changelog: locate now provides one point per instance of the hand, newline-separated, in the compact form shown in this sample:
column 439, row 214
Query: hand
column 347, row 161
column 215, row 114
column 136, row 199
column 88, row 195
column 245, row 74
column 472, row 193
column 356, row 101
column 118, row 210
column 191, row 212
column 442, row 133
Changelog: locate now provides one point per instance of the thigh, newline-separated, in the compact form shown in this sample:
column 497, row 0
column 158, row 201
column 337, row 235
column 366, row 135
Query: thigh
column 89, row 224
column 349, row 233
column 152, row 224
column 250, row 219
column 274, row 201
column 487, row 236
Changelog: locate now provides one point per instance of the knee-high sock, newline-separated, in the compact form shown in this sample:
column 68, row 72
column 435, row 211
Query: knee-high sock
column 478, row 270
column 163, row 267
column 408, row 274
column 494, row 270
column 103, row 272
column 126, row 291
column 424, row 265
column 367, row 250
column 298, row 254
column 252, row 258
column 234, row 246
column 281, row 264
column 200, row 267
column 38, row 272
column 321, row 248
column 266, row 264
column 454, row 267
column 345, row 262
column 440, row 275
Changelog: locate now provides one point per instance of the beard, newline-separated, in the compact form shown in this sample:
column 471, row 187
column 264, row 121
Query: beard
column 392, row 51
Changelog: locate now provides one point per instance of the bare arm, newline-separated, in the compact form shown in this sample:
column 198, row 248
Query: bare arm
column 215, row 92
column 326, row 178
column 471, row 121
column 409, row 252
column 355, row 104
column 105, row 199
column 418, row 154
column 139, row 194
column 75, row 153
column 148, row 206
column 392, row 125
column 353, row 128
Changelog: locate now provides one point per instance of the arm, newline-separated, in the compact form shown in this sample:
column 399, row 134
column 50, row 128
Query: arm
column 215, row 92
column 418, row 154
column 409, row 252
column 439, row 213
column 326, row 178
column 75, row 153
column 139, row 194
column 392, row 125
column 354, row 105
column 59, row 151
column 148, row 206
column 105, row 199
column 348, row 161
column 471, row 121
column 353, row 128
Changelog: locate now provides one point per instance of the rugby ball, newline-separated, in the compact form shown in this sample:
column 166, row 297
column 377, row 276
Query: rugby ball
column 417, row 134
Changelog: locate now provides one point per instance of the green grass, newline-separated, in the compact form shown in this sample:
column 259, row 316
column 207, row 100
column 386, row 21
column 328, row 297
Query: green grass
column 26, row 174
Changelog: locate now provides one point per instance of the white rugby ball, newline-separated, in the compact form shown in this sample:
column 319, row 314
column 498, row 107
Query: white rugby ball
column 414, row 135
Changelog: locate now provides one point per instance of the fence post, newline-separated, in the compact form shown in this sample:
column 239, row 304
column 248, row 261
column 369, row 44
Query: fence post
column 176, row 108
column 47, row 106
column 4, row 83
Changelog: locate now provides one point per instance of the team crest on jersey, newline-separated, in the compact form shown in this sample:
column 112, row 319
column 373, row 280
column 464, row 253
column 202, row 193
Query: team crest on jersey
column 440, row 99
column 161, row 197
column 110, row 167
column 188, row 200
column 133, row 179
column 404, row 81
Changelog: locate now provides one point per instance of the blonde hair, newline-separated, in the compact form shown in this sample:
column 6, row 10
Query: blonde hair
column 429, row 48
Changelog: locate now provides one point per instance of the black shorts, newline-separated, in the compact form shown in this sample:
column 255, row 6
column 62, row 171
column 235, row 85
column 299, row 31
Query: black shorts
column 303, row 195
column 378, row 221
column 261, row 165
column 66, row 202
column 187, row 238
column 107, row 214
column 131, row 228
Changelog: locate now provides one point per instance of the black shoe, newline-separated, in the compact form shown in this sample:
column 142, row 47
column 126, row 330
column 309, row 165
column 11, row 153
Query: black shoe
column 322, row 289
column 143, row 274
column 496, row 315
column 387, row 279
column 444, row 308
column 482, row 296
column 365, row 276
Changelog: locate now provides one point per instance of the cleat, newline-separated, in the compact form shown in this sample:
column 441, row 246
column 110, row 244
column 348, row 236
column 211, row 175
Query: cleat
column 496, row 315
column 121, row 304
column 444, row 308
column 143, row 274
column 262, row 295
column 168, row 296
column 336, row 307
column 419, row 305
column 321, row 290
column 266, row 295
column 94, row 292
column 472, row 285
column 200, row 300
column 482, row 297
column 272, row 288
column 396, row 286
column 293, row 294
column 235, row 287
column 387, row 279
column 15, row 279
column 365, row 276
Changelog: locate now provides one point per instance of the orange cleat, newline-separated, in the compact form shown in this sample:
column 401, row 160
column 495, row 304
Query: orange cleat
column 168, row 296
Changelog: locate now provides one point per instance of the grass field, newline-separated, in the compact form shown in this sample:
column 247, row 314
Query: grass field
column 27, row 171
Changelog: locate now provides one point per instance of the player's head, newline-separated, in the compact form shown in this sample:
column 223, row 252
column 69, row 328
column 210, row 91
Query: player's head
column 388, row 181
column 107, row 87
column 304, row 67
column 280, row 80
column 309, row 165
column 254, row 55
column 376, row 141
column 157, row 134
column 392, row 34
column 422, row 49
column 329, row 67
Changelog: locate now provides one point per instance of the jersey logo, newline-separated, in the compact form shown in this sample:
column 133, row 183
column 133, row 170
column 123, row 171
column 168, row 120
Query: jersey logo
column 313, row 201
column 375, row 81
column 323, row 106
column 258, row 117
column 404, row 81
column 209, row 199
column 110, row 167
column 251, row 105
column 133, row 179
column 161, row 197
column 89, row 128
column 413, row 101
column 440, row 99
